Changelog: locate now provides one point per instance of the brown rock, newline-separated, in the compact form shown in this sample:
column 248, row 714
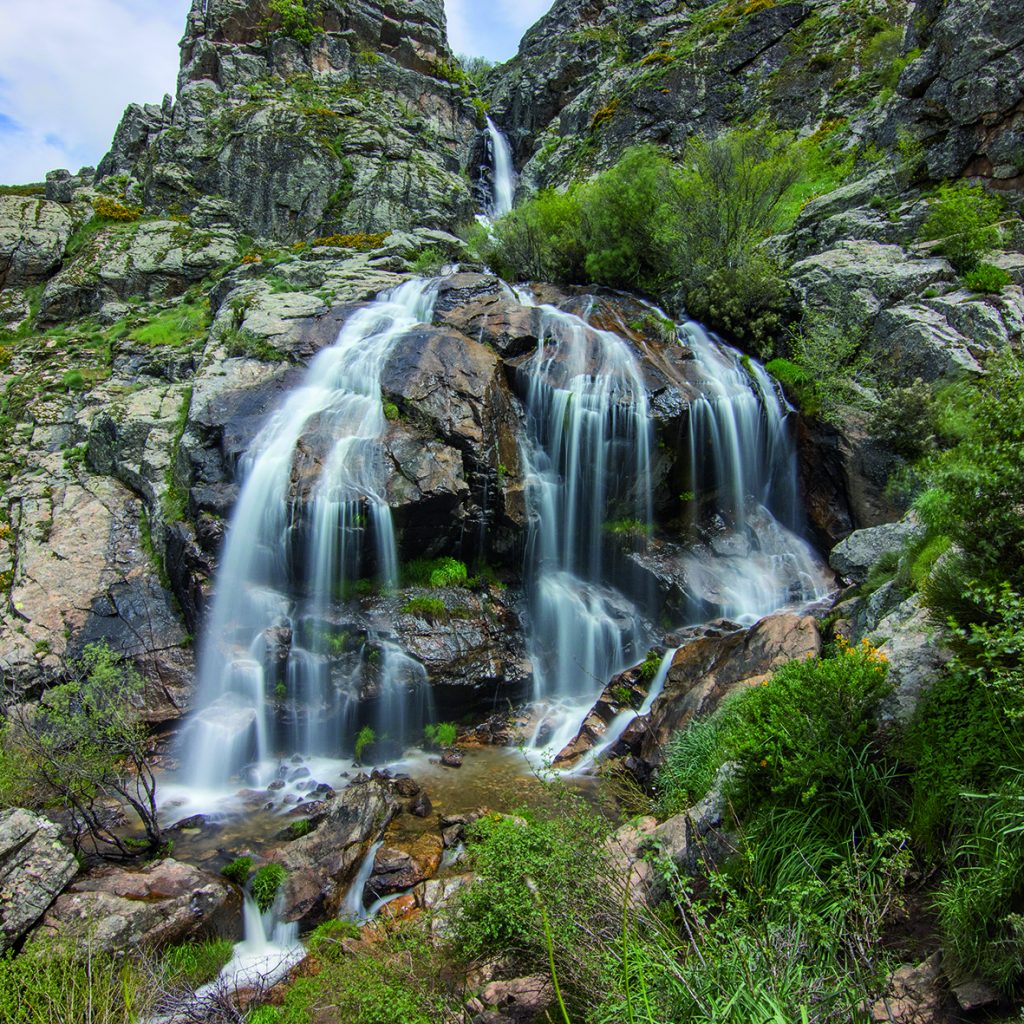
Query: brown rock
column 403, row 865
column 914, row 995
column 163, row 903
column 521, row 999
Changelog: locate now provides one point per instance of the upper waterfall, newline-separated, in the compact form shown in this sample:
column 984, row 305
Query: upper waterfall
column 503, row 173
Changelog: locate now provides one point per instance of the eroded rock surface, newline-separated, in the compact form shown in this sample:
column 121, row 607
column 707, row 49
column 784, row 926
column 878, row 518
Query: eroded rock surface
column 35, row 867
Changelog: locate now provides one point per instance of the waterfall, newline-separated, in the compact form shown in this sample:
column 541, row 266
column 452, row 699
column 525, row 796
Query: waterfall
column 503, row 174
column 587, row 454
column 266, row 954
column 743, row 456
column 280, row 576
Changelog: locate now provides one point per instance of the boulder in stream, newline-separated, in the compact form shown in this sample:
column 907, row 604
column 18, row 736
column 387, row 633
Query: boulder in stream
column 321, row 864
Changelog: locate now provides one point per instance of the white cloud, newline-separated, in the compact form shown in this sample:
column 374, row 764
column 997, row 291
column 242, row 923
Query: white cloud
column 68, row 70
column 491, row 31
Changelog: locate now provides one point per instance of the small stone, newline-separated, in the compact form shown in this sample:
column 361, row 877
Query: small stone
column 421, row 806
column 406, row 787
column 452, row 758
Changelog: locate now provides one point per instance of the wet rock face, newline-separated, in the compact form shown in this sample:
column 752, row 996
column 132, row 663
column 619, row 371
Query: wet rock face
column 321, row 864
column 35, row 866
column 359, row 129
column 114, row 909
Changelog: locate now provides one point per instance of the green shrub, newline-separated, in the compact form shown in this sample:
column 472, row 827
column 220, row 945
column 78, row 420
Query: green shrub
column 826, row 346
column 540, row 240
column 745, row 301
column 110, row 209
column 559, row 858
column 366, row 737
column 196, row 963
column 429, row 262
column 976, row 487
column 85, row 749
column 795, row 734
column 238, row 870
column 988, row 279
column 650, row 666
column 265, row 884
column 297, row 20
column 430, row 608
column 964, row 218
column 443, row 735
column 391, row 411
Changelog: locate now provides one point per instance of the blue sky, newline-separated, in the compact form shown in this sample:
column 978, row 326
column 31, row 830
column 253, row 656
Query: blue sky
column 68, row 69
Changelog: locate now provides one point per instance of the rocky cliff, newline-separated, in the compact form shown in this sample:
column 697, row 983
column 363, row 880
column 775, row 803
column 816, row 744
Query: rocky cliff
column 354, row 120
column 594, row 77
column 156, row 310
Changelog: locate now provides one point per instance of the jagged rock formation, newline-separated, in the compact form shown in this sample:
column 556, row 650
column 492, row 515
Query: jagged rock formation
column 356, row 125
column 593, row 77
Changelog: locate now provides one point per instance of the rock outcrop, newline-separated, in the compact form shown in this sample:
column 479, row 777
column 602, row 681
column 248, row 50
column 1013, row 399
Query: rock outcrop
column 116, row 909
column 321, row 864
column 35, row 867
column 353, row 121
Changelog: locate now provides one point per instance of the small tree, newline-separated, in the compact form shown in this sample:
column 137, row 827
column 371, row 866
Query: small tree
column 965, row 220
column 85, row 747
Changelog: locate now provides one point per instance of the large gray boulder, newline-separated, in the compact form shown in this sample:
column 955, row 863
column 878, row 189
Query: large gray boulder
column 35, row 867
column 853, row 557
column 321, row 864
column 33, row 236
column 164, row 903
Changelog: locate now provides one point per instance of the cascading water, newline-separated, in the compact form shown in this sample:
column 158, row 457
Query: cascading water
column 503, row 174
column 742, row 454
column 587, row 453
column 280, row 577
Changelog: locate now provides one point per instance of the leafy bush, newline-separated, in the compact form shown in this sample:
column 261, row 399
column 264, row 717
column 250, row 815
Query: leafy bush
column 988, row 279
column 297, row 20
column 977, row 487
column 965, row 219
column 196, row 963
column 85, row 747
column 906, row 419
column 323, row 939
column 558, row 858
column 265, row 884
column 540, row 240
column 794, row 735
column 238, row 870
column 110, row 209
column 826, row 346
column 443, row 735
